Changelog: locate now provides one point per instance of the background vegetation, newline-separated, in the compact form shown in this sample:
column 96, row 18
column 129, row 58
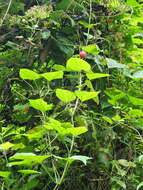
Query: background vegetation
column 68, row 122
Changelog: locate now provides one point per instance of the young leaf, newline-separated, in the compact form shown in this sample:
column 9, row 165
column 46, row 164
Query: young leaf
column 84, row 95
column 92, row 76
column 26, row 159
column 28, row 172
column 77, row 64
column 28, row 74
column 76, row 131
column 65, row 95
column 40, row 104
column 92, row 48
column 53, row 75
column 5, row 174
column 6, row 146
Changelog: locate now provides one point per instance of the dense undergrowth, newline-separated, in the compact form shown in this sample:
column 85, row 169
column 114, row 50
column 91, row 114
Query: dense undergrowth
column 68, row 122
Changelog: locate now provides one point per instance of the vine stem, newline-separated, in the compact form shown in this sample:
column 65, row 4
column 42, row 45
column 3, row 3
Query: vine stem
column 89, row 21
column 73, row 138
column 9, row 5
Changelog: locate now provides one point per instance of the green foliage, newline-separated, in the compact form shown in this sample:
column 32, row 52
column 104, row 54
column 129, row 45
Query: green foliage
column 63, row 117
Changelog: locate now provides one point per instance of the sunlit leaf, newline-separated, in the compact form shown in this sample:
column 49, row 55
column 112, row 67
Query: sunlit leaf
column 77, row 64
column 84, row 95
column 53, row 75
column 6, row 146
column 28, row 172
column 40, row 104
column 26, row 159
column 5, row 174
column 28, row 74
column 92, row 76
column 92, row 48
column 65, row 95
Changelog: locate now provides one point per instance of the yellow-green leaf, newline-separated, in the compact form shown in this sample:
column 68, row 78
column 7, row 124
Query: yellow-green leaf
column 40, row 104
column 28, row 74
column 53, row 75
column 84, row 95
column 77, row 64
column 92, row 76
column 65, row 95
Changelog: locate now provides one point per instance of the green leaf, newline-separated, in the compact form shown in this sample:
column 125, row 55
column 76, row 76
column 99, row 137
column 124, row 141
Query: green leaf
column 92, row 48
column 28, row 172
column 76, row 131
column 114, row 64
column 107, row 119
column 140, row 185
column 136, row 101
column 65, row 95
column 74, row 158
column 77, row 64
column 28, row 74
column 125, row 163
column 26, row 159
column 20, row 107
column 5, row 174
column 132, row 3
column 84, row 95
column 80, row 158
column 92, row 76
column 6, row 146
column 53, row 75
column 59, row 67
column 135, row 113
column 40, row 104
column 114, row 93
column 119, row 182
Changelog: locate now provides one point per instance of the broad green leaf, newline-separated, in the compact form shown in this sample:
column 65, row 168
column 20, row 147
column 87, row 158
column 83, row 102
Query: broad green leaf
column 53, row 75
column 132, row 3
column 65, row 95
column 6, row 146
column 76, row 131
column 5, row 174
column 135, row 113
column 107, row 119
column 59, row 67
column 92, row 76
column 26, row 159
column 28, row 74
column 84, row 95
column 136, row 101
column 77, row 64
column 92, row 48
column 40, row 104
column 28, row 172
column 111, row 63
column 140, row 185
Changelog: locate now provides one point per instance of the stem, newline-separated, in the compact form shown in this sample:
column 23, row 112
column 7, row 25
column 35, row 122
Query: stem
column 89, row 21
column 73, row 138
column 9, row 5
